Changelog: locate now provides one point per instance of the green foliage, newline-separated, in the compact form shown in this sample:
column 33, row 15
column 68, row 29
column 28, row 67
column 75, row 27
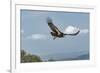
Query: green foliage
column 26, row 57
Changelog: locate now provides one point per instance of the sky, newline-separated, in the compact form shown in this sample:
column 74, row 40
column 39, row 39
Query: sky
column 36, row 37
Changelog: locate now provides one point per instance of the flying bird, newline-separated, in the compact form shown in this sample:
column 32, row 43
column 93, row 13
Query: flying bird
column 56, row 33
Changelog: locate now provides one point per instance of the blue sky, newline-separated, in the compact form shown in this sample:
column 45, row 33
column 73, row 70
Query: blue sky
column 36, row 38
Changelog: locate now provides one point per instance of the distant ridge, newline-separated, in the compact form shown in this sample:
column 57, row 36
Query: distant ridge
column 67, row 56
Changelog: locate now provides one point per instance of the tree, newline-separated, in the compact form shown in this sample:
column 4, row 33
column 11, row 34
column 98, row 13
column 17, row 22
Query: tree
column 27, row 57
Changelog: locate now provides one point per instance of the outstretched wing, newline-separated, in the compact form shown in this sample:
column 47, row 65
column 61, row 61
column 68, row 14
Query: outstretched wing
column 73, row 34
column 52, row 26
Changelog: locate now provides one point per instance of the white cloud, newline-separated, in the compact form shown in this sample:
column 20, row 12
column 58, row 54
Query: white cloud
column 38, row 37
column 84, row 31
column 72, row 30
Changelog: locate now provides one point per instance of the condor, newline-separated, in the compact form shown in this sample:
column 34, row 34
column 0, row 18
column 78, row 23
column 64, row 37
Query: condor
column 56, row 32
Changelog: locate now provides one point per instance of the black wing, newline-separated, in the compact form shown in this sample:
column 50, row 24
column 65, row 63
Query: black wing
column 52, row 26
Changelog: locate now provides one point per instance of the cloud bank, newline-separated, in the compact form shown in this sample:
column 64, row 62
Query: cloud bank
column 84, row 31
column 38, row 37
column 68, row 30
column 72, row 30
